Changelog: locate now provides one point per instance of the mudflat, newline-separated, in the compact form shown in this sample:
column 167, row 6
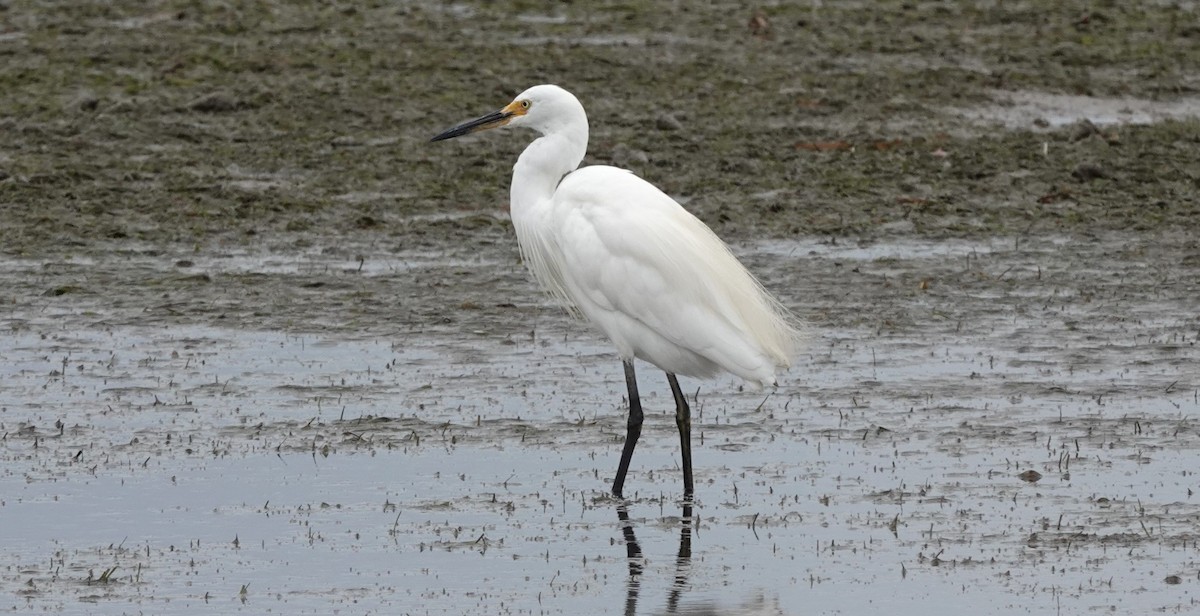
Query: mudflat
column 264, row 348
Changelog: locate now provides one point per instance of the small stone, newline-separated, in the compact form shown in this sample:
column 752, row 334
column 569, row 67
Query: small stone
column 124, row 105
column 86, row 102
column 1030, row 476
column 758, row 24
column 1084, row 129
column 1086, row 172
column 1173, row 579
column 215, row 102
column 667, row 121
column 624, row 156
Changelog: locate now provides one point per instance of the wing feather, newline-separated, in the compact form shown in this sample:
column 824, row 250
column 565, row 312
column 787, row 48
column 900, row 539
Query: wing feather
column 623, row 247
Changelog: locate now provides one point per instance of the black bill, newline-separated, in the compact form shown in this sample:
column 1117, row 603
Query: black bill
column 491, row 120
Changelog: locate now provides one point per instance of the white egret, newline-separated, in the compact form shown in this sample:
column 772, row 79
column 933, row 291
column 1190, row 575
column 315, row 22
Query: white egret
column 654, row 278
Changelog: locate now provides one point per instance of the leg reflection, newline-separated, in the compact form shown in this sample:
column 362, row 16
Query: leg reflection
column 637, row 564
column 633, row 552
column 683, row 561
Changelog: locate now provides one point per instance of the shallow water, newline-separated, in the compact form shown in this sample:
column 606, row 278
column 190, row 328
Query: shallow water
column 457, row 467
column 1022, row 110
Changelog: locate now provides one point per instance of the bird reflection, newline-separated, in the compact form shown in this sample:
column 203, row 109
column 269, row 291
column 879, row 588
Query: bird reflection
column 637, row 563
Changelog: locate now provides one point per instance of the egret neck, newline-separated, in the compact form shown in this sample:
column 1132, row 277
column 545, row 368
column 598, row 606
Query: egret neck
column 556, row 153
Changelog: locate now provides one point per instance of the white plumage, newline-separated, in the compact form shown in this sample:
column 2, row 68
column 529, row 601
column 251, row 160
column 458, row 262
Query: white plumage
column 657, row 281
column 620, row 252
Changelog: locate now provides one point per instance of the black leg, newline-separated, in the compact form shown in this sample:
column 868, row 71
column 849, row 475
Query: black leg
column 634, row 430
column 683, row 419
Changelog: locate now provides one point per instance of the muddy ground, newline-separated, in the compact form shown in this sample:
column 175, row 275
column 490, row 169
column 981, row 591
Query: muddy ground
column 263, row 348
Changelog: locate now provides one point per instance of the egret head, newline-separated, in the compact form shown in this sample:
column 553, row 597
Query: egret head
column 544, row 108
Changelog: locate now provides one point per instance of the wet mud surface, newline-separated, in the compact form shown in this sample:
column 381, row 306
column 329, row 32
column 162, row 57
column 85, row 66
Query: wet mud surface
column 262, row 349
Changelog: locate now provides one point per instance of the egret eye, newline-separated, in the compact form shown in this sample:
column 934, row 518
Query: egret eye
column 525, row 104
